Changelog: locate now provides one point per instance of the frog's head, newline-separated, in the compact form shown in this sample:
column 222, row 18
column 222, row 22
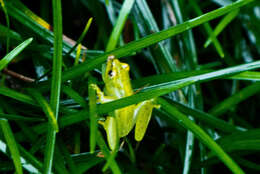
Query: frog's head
column 114, row 70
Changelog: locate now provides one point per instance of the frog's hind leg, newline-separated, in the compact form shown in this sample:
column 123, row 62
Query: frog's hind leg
column 143, row 115
column 111, row 130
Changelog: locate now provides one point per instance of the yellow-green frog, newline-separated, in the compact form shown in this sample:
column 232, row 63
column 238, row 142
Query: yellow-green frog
column 120, row 122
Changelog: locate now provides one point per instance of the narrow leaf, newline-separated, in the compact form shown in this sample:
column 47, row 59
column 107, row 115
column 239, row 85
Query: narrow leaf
column 10, row 56
column 201, row 135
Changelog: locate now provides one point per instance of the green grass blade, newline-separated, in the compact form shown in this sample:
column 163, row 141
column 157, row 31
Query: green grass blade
column 247, row 140
column 248, row 145
column 248, row 164
column 19, row 117
column 75, row 96
column 151, row 39
column 12, row 145
column 25, row 16
column 112, row 164
column 162, row 78
column 222, row 24
column 206, row 118
column 10, row 56
column 7, row 23
column 249, row 75
column 161, row 54
column 26, row 162
column 209, row 30
column 240, row 96
column 46, row 108
column 82, row 36
column 86, row 160
column 6, row 32
column 56, row 83
column 188, row 38
column 67, row 157
column 201, row 135
column 59, row 164
column 117, row 30
column 16, row 95
column 67, row 120
column 92, row 115
column 78, row 52
column 164, row 88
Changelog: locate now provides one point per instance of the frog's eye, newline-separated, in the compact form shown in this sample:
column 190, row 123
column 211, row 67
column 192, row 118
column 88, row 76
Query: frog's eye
column 111, row 73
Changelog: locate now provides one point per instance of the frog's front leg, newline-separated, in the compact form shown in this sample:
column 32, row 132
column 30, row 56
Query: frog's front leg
column 142, row 115
column 101, row 96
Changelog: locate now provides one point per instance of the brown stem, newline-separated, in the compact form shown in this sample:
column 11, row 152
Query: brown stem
column 18, row 76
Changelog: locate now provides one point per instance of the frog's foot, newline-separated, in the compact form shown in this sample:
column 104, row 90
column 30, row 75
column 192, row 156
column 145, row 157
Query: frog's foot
column 101, row 98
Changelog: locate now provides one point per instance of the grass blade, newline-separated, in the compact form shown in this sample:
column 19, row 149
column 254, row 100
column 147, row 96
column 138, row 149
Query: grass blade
column 17, row 95
column 117, row 30
column 75, row 96
column 46, row 108
column 7, row 23
column 12, row 145
column 10, row 56
column 93, row 116
column 209, row 30
column 160, row 52
column 26, row 163
column 56, row 83
column 18, row 117
column 223, row 23
column 151, row 39
column 112, row 163
column 201, row 135
column 82, row 36
column 207, row 118
column 164, row 88
column 243, row 94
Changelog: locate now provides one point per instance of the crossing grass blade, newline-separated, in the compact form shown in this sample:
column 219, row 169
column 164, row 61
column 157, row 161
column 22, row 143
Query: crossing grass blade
column 151, row 39
column 240, row 96
column 209, row 31
column 93, row 116
column 168, row 63
column 10, row 56
column 16, row 95
column 82, row 36
column 201, row 135
column 12, row 145
column 55, row 85
column 75, row 96
column 7, row 23
column 125, row 10
column 112, row 163
column 46, row 108
column 222, row 24
column 207, row 118
column 19, row 117
column 165, row 88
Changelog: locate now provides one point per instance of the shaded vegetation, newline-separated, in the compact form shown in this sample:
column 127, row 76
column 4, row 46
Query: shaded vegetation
column 199, row 59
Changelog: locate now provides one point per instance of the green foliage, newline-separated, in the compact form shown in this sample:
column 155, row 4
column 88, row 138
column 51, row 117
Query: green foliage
column 208, row 117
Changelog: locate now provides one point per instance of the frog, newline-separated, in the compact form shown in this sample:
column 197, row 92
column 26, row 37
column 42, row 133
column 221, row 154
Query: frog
column 120, row 122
